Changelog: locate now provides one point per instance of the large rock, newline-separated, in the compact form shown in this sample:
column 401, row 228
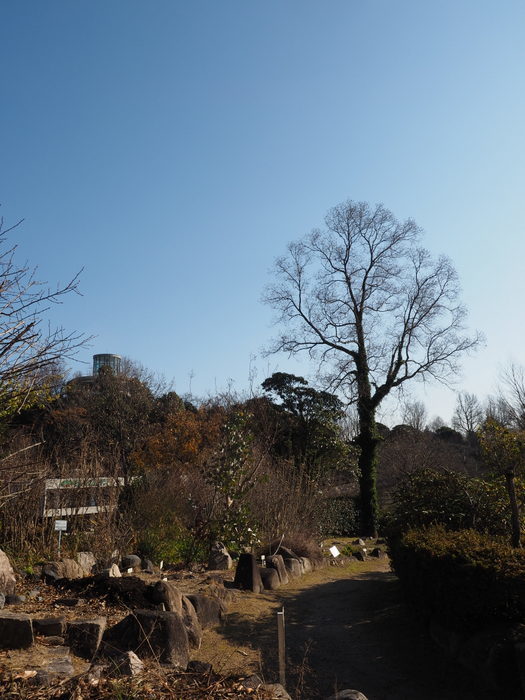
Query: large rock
column 276, row 691
column 270, row 578
column 87, row 561
column 209, row 609
column 247, row 575
column 64, row 568
column 111, row 572
column 348, row 695
column 131, row 561
column 277, row 562
column 191, row 623
column 151, row 633
column 126, row 664
column 16, row 630
column 7, row 575
column 307, row 565
column 84, row 636
column 49, row 626
column 219, row 558
column 294, row 567
column 166, row 593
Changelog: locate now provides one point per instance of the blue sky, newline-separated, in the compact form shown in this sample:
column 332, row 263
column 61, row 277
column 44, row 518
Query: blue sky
column 172, row 149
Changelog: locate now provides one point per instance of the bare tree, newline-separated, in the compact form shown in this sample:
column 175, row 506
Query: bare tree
column 415, row 414
column 468, row 415
column 375, row 310
column 512, row 395
column 28, row 346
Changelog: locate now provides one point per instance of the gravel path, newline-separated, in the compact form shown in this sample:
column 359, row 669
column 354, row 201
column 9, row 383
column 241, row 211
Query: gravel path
column 359, row 635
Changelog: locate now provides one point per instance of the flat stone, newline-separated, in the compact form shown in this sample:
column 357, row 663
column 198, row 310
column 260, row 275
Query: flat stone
column 69, row 602
column 49, row 626
column 84, row 636
column 53, row 641
column 16, row 630
column 13, row 599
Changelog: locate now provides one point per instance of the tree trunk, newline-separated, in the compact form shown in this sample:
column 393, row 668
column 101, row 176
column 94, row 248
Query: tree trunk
column 515, row 514
column 368, row 442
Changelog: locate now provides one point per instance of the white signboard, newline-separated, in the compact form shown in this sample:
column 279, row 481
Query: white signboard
column 334, row 551
column 61, row 525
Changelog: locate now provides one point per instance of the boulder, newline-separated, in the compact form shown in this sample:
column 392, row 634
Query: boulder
column 49, row 626
column 361, row 543
column 293, row 567
column 219, row 558
column 307, row 565
column 56, row 669
column 360, row 556
column 146, row 565
column 64, row 568
column 199, row 667
column 378, row 553
column 209, row 609
column 87, row 561
column 16, row 630
column 191, row 623
column 167, row 594
column 131, row 561
column 126, row 664
column 84, row 636
column 150, row 633
column 276, row 691
column 247, row 576
column 7, row 575
column 13, row 599
column 277, row 562
column 348, row 695
column 111, row 572
column 270, row 578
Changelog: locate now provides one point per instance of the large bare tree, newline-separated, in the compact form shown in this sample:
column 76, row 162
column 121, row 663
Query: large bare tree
column 375, row 310
column 30, row 349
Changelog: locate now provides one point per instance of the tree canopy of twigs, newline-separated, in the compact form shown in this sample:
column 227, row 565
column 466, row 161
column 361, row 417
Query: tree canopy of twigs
column 375, row 310
column 29, row 347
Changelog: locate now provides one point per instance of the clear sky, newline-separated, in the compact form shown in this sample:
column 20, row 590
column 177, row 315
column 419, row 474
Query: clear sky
column 172, row 148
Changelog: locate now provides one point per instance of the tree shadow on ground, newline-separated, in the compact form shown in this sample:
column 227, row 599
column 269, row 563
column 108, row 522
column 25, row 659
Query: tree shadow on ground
column 355, row 633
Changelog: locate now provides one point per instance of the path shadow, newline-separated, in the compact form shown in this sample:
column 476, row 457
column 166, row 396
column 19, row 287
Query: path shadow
column 355, row 633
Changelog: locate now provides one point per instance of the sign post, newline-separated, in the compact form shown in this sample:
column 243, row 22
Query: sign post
column 60, row 527
column 282, row 647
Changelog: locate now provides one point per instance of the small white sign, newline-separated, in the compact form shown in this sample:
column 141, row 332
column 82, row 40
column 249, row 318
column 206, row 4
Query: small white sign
column 334, row 551
column 61, row 525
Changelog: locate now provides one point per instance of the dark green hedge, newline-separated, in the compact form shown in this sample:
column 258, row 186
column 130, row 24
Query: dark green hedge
column 465, row 579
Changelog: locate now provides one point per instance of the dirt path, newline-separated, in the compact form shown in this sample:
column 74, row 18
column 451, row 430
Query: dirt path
column 346, row 628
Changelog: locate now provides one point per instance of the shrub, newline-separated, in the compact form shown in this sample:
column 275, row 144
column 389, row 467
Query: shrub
column 427, row 497
column 339, row 517
column 467, row 579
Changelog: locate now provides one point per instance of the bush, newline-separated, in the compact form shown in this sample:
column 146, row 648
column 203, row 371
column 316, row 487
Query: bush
column 467, row 579
column 428, row 497
column 339, row 517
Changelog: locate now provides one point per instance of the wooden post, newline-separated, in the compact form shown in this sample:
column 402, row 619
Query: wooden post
column 282, row 647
